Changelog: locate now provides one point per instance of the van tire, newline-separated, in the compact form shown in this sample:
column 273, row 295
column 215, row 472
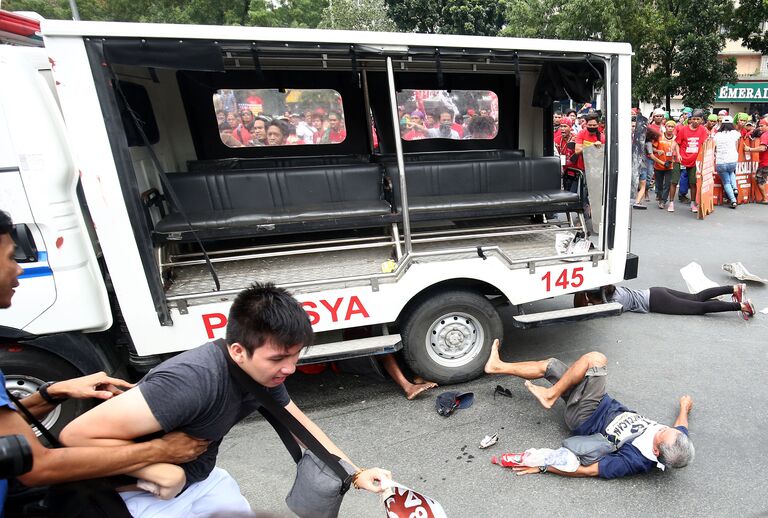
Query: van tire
column 26, row 368
column 461, row 326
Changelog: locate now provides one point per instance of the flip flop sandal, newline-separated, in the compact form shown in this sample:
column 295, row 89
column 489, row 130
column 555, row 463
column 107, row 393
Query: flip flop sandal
column 489, row 440
column 502, row 392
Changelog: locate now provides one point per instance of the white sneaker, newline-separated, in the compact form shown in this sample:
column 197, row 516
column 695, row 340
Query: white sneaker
column 671, row 207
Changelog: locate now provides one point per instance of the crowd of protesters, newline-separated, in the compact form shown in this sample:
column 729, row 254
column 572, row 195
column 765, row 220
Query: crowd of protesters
column 445, row 123
column 671, row 150
column 243, row 128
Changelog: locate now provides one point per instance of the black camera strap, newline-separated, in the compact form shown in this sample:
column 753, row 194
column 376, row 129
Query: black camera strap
column 45, row 432
column 285, row 424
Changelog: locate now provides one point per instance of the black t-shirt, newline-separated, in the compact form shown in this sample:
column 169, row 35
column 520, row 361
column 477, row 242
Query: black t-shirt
column 194, row 393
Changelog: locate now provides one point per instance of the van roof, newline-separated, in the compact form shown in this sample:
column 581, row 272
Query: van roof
column 384, row 40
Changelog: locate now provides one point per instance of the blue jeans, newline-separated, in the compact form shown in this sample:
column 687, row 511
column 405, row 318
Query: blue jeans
column 727, row 174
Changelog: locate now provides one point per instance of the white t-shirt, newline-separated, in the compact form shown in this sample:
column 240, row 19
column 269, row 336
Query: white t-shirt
column 726, row 151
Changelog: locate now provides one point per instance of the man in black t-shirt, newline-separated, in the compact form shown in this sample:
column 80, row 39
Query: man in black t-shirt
column 194, row 392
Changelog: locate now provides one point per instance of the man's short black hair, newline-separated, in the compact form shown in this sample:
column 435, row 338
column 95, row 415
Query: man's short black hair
column 263, row 312
column 570, row 111
column 594, row 116
column 6, row 224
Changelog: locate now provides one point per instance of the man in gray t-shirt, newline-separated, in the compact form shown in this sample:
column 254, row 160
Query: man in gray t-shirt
column 193, row 392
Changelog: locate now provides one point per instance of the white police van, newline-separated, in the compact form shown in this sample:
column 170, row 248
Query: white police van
column 401, row 186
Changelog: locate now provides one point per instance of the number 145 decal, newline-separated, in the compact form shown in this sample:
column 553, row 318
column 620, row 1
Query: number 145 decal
column 574, row 280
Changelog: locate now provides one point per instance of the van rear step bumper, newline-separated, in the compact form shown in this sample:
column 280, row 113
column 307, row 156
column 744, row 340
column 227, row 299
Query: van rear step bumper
column 347, row 349
column 567, row 315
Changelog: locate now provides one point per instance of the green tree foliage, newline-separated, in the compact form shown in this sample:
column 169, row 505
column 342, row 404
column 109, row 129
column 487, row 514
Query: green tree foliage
column 360, row 15
column 750, row 24
column 268, row 13
column 676, row 42
column 286, row 13
column 474, row 17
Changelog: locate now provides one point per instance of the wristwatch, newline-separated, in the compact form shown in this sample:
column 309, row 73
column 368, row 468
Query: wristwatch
column 543, row 469
column 43, row 390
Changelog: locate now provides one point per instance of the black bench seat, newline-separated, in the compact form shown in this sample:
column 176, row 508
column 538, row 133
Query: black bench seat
column 476, row 189
column 239, row 203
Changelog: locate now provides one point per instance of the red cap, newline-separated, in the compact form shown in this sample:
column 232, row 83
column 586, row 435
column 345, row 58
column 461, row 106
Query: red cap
column 567, row 121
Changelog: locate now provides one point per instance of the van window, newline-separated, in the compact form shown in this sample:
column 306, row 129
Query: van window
column 457, row 115
column 272, row 117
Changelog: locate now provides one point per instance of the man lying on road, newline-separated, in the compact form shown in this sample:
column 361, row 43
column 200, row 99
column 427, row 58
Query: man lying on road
column 641, row 444
column 195, row 393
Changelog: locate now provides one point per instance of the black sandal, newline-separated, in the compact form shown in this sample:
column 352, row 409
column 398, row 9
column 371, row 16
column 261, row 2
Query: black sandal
column 502, row 392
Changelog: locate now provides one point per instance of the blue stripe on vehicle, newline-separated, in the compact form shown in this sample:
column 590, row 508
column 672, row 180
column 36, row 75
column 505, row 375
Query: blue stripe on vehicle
column 40, row 271
column 42, row 257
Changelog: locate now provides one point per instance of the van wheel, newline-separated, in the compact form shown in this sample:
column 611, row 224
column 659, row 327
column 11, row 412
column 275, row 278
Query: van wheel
column 447, row 337
column 27, row 368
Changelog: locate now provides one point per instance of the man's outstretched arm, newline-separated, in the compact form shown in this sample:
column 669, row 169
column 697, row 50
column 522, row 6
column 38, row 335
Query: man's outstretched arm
column 369, row 479
column 117, row 422
column 54, row 466
column 581, row 471
column 92, row 386
column 686, row 404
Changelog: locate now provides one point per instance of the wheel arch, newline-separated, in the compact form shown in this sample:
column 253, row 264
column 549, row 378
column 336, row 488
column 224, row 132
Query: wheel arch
column 461, row 283
column 77, row 349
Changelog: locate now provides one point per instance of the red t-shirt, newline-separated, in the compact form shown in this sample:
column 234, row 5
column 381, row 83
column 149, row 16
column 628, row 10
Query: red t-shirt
column 656, row 127
column 590, row 138
column 764, row 154
column 414, row 135
column 690, row 140
column 337, row 136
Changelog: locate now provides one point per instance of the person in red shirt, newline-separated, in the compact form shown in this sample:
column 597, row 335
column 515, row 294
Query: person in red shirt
column 712, row 125
column 336, row 132
column 589, row 136
column 657, row 120
column 556, row 118
column 741, row 124
column 415, row 126
column 762, row 165
column 689, row 140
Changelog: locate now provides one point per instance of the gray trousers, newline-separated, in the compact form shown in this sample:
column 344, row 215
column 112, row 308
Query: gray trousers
column 583, row 399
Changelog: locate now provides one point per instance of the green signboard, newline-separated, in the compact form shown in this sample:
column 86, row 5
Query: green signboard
column 743, row 92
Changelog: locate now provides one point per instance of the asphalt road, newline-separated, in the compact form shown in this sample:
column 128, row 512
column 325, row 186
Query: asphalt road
column 719, row 360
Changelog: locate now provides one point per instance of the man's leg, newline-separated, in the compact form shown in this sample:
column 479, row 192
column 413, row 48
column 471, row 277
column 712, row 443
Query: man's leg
column 532, row 370
column 664, row 300
column 575, row 374
column 411, row 389
column 693, row 194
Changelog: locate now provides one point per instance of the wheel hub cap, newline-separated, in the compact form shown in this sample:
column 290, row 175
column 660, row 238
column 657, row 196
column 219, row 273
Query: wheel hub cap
column 23, row 386
column 454, row 338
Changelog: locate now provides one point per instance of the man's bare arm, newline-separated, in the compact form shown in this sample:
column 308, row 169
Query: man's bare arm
column 686, row 404
column 53, row 466
column 581, row 471
column 369, row 479
column 118, row 422
column 92, row 386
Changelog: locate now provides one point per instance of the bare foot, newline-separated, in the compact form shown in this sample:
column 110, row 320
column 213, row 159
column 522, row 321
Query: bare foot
column 541, row 393
column 494, row 363
column 418, row 380
column 417, row 388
